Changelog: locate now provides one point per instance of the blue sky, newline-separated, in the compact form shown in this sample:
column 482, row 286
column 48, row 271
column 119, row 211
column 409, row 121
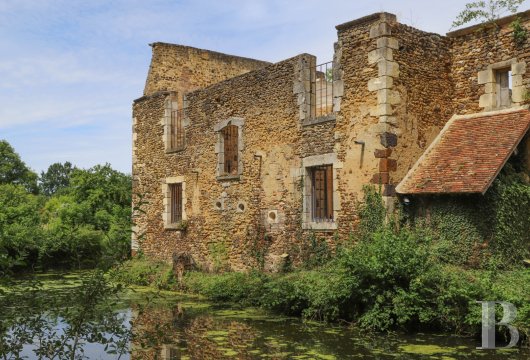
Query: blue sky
column 69, row 69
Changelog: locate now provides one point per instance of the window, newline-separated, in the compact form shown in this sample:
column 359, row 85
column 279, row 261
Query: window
column 175, row 208
column 503, row 88
column 321, row 193
column 174, row 124
column 174, row 201
column 231, row 150
column 321, row 99
column 177, row 130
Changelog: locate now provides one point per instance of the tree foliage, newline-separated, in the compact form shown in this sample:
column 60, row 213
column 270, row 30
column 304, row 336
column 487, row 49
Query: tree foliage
column 56, row 178
column 84, row 220
column 485, row 11
column 14, row 171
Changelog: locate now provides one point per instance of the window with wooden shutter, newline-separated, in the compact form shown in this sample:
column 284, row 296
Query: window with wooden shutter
column 175, row 201
column 177, row 136
column 322, row 193
column 503, row 88
column 231, row 150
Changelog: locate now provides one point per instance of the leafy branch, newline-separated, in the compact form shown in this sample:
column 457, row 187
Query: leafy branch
column 488, row 12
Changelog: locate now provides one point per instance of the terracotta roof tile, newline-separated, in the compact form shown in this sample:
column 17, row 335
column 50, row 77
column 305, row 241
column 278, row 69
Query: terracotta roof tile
column 468, row 154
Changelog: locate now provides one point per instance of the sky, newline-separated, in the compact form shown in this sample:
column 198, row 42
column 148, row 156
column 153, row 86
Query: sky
column 70, row 69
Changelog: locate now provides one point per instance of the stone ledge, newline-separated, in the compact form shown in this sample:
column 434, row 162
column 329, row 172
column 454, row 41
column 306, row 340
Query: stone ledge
column 175, row 151
column 319, row 120
column 320, row 226
column 228, row 178
column 174, row 227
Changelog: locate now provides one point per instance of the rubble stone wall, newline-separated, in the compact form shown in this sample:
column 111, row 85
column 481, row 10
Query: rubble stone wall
column 184, row 68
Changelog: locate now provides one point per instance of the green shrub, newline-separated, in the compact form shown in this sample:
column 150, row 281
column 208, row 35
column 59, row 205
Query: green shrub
column 144, row 272
column 226, row 287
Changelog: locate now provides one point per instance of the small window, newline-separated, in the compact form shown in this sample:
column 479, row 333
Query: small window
column 321, row 99
column 321, row 193
column 175, row 198
column 177, row 138
column 231, row 150
column 503, row 88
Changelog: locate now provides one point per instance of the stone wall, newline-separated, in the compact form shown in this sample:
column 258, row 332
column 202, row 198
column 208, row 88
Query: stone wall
column 422, row 94
column 477, row 48
column 184, row 68
column 394, row 88
column 223, row 235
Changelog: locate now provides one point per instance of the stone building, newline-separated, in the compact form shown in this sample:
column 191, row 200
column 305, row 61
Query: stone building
column 236, row 161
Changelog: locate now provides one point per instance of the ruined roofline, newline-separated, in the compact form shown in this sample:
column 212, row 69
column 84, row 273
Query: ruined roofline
column 367, row 19
column 500, row 22
column 234, row 78
column 219, row 55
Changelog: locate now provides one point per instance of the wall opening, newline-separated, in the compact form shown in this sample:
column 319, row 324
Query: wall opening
column 503, row 88
column 321, row 178
column 321, row 93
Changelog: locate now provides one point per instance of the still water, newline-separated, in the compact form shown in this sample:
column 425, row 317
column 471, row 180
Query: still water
column 177, row 326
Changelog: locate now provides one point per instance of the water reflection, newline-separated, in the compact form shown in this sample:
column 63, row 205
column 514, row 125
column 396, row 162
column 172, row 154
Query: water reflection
column 176, row 326
column 198, row 330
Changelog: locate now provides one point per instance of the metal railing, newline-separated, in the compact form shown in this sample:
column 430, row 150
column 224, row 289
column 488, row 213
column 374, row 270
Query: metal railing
column 321, row 100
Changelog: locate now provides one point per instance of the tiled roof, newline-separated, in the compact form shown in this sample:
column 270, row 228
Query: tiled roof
column 468, row 153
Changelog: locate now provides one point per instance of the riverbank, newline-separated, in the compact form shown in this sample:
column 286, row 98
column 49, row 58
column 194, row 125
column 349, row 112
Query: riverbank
column 376, row 292
column 161, row 323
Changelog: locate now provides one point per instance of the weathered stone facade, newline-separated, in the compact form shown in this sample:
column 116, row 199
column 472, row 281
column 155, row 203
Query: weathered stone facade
column 391, row 91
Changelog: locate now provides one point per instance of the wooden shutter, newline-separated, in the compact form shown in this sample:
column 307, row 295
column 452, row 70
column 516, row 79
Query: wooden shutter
column 322, row 192
column 504, row 96
column 177, row 130
column 231, row 139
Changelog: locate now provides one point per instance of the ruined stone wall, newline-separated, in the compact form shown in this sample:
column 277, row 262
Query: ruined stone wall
column 422, row 93
column 394, row 88
column 475, row 49
column 183, row 68
column 224, row 235
column 360, row 123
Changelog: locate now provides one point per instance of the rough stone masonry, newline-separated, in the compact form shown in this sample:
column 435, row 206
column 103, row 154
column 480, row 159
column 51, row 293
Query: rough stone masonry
column 295, row 170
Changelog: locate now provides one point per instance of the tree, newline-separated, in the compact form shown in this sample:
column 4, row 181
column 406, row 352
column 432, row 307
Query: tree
column 56, row 178
column 487, row 12
column 14, row 171
column 20, row 231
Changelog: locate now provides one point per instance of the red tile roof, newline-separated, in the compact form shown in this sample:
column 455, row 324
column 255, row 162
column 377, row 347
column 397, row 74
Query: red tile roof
column 468, row 154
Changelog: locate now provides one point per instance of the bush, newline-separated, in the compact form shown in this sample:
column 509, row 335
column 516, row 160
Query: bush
column 227, row 287
column 144, row 272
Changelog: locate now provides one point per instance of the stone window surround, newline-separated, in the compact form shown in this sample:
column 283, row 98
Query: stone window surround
column 170, row 104
column 487, row 77
column 166, row 199
column 219, row 147
column 307, row 163
column 304, row 71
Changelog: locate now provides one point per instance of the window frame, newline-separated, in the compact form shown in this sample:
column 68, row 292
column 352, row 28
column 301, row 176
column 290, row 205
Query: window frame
column 309, row 220
column 220, row 148
column 321, row 177
column 174, row 115
column 168, row 215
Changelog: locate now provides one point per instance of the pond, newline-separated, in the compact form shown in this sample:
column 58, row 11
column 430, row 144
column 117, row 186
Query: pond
column 170, row 325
